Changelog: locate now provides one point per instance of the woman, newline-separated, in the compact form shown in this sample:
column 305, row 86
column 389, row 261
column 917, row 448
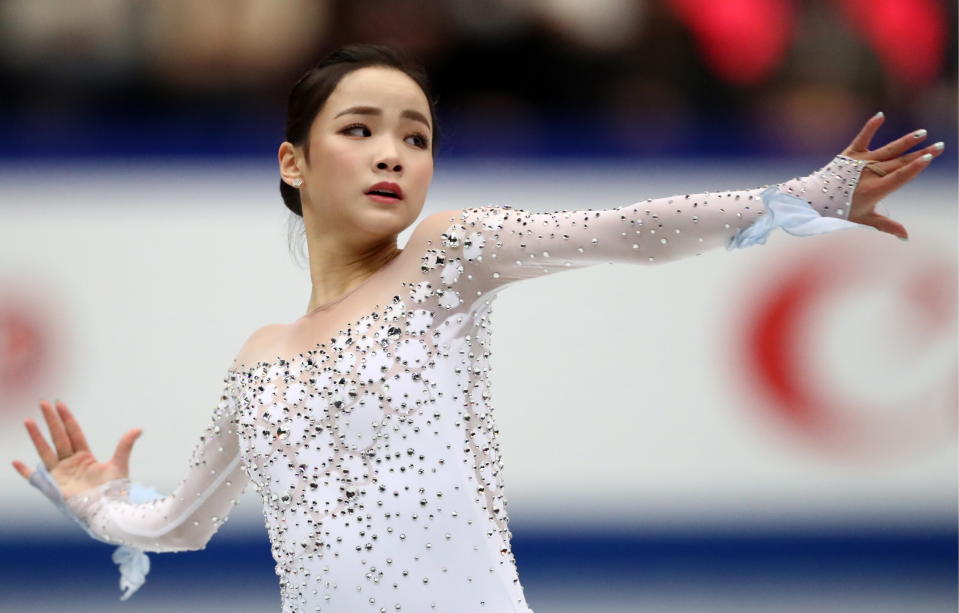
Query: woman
column 365, row 425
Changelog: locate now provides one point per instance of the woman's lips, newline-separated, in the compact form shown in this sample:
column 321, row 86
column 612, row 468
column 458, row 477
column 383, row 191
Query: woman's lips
column 388, row 189
column 383, row 199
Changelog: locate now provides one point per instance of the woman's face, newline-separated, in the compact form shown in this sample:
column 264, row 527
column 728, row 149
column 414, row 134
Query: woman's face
column 374, row 128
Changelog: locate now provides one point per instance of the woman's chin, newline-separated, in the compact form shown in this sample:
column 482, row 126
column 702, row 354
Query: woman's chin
column 384, row 221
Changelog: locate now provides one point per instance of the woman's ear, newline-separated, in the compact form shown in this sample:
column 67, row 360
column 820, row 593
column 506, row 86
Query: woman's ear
column 288, row 158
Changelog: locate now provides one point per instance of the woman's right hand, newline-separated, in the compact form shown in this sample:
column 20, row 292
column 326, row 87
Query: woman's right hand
column 72, row 465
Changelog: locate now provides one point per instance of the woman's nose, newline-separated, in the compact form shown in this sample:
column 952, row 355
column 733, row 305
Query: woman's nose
column 396, row 166
column 388, row 156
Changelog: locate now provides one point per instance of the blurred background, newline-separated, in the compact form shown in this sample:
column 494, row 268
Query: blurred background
column 704, row 448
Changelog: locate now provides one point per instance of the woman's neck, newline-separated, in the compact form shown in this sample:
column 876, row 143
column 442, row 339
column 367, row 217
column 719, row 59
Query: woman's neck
column 336, row 270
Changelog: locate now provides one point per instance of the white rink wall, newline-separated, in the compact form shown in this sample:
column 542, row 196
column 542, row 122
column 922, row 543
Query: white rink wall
column 625, row 395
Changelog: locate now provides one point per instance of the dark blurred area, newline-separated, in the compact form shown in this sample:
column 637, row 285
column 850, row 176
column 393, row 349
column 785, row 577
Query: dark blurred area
column 555, row 78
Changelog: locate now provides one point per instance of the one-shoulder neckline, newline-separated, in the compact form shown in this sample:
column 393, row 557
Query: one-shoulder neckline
column 259, row 364
column 244, row 369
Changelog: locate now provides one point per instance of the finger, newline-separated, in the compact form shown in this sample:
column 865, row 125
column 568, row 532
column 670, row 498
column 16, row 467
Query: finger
column 885, row 224
column 77, row 439
column 57, row 431
column 121, row 457
column 898, row 146
column 23, row 469
column 860, row 144
column 904, row 160
column 931, row 149
column 904, row 174
column 43, row 449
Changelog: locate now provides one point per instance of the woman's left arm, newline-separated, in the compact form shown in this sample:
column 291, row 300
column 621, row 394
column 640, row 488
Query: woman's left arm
column 501, row 244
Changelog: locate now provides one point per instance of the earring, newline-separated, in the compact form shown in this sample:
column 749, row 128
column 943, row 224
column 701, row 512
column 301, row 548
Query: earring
column 297, row 182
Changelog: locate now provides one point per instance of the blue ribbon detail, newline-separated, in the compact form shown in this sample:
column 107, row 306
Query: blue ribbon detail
column 133, row 563
column 794, row 215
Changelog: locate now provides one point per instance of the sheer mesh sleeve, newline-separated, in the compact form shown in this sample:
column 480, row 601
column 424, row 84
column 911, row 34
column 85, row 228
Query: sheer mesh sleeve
column 187, row 518
column 502, row 244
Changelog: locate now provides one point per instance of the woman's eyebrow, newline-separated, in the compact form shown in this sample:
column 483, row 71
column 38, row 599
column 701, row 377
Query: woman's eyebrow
column 372, row 110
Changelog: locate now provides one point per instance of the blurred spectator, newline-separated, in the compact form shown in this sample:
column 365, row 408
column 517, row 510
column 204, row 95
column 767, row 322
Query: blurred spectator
column 550, row 77
column 422, row 27
column 77, row 44
column 600, row 24
column 224, row 44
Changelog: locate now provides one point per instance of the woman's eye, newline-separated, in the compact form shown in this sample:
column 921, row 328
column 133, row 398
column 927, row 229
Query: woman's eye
column 357, row 130
column 418, row 140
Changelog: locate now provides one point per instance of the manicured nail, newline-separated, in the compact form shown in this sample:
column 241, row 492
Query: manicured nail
column 878, row 115
column 919, row 133
column 926, row 157
column 903, row 238
column 940, row 146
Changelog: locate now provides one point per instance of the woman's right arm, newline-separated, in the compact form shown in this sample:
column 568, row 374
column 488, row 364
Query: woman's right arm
column 97, row 493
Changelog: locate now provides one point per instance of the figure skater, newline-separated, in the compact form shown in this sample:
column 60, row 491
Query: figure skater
column 366, row 425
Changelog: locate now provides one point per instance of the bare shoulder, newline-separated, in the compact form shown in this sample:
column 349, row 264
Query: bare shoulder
column 429, row 229
column 259, row 345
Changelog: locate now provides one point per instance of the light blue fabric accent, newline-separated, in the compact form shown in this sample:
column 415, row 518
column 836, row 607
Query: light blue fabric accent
column 134, row 563
column 134, row 566
column 792, row 214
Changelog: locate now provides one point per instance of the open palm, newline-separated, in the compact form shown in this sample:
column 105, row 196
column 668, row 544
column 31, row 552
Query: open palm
column 72, row 464
column 894, row 168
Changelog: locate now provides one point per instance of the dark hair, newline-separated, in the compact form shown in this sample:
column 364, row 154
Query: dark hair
column 310, row 93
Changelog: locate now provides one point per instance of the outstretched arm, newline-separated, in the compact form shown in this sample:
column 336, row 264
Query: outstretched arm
column 98, row 493
column 100, row 497
column 501, row 244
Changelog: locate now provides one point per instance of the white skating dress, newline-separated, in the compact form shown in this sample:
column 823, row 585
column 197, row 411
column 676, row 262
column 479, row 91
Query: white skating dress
column 373, row 441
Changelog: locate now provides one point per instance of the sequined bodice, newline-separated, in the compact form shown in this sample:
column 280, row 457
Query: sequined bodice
column 375, row 451
column 376, row 457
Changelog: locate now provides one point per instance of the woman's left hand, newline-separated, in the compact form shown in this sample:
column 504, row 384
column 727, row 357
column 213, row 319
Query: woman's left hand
column 899, row 168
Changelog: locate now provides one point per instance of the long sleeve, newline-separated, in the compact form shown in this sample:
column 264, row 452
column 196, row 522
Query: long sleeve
column 127, row 514
column 498, row 245
column 187, row 518
column 138, row 518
